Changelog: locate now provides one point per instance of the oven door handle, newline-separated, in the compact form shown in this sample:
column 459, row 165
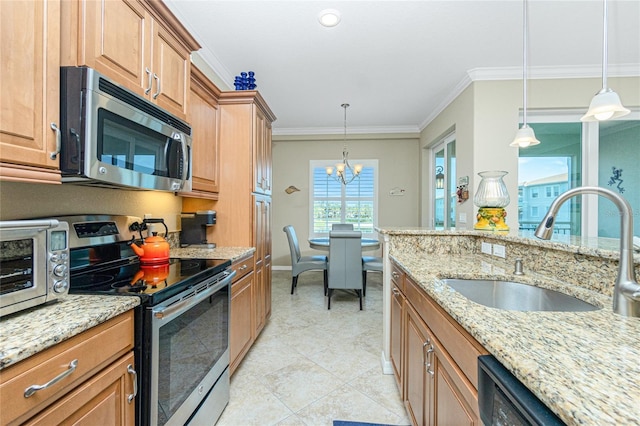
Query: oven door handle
column 167, row 312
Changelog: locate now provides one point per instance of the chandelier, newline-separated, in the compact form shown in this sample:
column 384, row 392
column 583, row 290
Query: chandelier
column 345, row 173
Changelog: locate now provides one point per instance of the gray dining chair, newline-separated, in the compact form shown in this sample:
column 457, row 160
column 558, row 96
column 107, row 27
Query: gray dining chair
column 345, row 263
column 369, row 263
column 300, row 264
column 342, row 227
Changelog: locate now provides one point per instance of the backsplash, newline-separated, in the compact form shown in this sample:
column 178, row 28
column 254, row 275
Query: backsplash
column 594, row 270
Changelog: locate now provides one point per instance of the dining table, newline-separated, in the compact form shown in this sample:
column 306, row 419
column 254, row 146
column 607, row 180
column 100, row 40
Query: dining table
column 322, row 243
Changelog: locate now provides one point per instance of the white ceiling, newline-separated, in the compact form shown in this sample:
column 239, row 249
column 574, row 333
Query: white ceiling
column 398, row 63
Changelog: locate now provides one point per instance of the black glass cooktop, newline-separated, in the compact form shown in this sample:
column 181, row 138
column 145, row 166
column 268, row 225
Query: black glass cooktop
column 153, row 283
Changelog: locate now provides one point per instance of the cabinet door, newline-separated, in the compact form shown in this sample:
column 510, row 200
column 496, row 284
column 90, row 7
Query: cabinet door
column 417, row 382
column 240, row 322
column 396, row 327
column 262, row 153
column 266, row 240
column 267, row 160
column 455, row 401
column 204, row 117
column 115, row 41
column 262, row 242
column 101, row 400
column 171, row 64
column 29, row 85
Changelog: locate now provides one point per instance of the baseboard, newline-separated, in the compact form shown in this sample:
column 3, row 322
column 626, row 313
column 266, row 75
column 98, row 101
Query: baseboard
column 280, row 268
column 387, row 368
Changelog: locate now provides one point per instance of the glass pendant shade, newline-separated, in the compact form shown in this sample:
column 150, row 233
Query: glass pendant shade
column 525, row 137
column 492, row 191
column 605, row 105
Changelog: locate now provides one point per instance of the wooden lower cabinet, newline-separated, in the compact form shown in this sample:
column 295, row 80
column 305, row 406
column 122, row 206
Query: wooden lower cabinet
column 397, row 326
column 102, row 400
column 434, row 359
column 241, row 331
column 99, row 390
column 418, row 385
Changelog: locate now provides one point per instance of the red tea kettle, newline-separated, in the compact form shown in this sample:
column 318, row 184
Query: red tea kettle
column 154, row 248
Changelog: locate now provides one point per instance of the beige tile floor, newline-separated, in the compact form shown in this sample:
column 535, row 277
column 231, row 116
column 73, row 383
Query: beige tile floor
column 311, row 365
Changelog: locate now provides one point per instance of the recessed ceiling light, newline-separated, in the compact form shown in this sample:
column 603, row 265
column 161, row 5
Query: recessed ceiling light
column 329, row 17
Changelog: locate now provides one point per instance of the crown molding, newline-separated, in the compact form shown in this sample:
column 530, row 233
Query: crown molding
column 553, row 72
column 539, row 73
column 371, row 130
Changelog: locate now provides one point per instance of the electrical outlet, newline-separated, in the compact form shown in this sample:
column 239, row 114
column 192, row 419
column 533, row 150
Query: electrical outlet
column 486, row 248
column 499, row 250
column 463, row 218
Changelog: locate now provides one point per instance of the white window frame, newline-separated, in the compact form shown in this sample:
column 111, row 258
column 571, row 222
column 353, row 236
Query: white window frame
column 313, row 164
column 590, row 154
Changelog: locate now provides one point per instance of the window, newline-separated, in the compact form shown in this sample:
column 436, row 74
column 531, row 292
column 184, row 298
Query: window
column 548, row 189
column 534, row 193
column 534, row 211
column 573, row 154
column 331, row 202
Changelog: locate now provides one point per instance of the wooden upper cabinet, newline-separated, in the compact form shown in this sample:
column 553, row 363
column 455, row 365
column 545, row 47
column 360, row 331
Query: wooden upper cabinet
column 204, row 116
column 247, row 110
column 29, row 90
column 139, row 44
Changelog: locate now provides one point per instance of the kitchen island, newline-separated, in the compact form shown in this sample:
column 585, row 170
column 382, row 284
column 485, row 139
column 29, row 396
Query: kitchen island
column 582, row 365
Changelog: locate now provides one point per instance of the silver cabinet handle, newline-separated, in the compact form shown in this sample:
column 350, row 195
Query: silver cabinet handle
column 429, row 356
column 155, row 95
column 55, row 153
column 396, row 291
column 35, row 388
column 395, row 275
column 243, row 267
column 132, row 371
column 149, row 83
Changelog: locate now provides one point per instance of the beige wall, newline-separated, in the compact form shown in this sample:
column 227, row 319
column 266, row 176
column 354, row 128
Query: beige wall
column 29, row 200
column 398, row 167
column 486, row 117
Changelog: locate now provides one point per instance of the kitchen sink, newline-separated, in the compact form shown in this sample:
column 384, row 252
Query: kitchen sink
column 514, row 296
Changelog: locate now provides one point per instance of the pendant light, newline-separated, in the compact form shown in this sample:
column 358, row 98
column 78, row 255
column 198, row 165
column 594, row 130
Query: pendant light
column 525, row 136
column 606, row 103
column 345, row 173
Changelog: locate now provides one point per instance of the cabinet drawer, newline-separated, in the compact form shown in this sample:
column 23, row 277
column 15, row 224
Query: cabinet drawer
column 101, row 400
column 464, row 349
column 93, row 349
column 243, row 267
column 397, row 277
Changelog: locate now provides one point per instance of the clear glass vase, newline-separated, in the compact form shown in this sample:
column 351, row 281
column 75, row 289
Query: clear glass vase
column 492, row 191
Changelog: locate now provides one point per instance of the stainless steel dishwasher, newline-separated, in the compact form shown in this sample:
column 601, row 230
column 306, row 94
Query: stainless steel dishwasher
column 504, row 401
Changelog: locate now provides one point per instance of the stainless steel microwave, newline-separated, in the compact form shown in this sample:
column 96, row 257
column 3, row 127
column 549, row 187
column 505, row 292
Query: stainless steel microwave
column 34, row 263
column 110, row 136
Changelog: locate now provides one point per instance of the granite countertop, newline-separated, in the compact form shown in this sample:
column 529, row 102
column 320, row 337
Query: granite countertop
column 231, row 253
column 582, row 365
column 602, row 247
column 28, row 332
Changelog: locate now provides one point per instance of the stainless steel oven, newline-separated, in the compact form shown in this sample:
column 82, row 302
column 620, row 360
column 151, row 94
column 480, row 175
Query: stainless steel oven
column 182, row 325
column 190, row 354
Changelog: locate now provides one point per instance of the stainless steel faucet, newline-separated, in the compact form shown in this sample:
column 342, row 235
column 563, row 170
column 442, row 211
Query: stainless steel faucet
column 626, row 293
